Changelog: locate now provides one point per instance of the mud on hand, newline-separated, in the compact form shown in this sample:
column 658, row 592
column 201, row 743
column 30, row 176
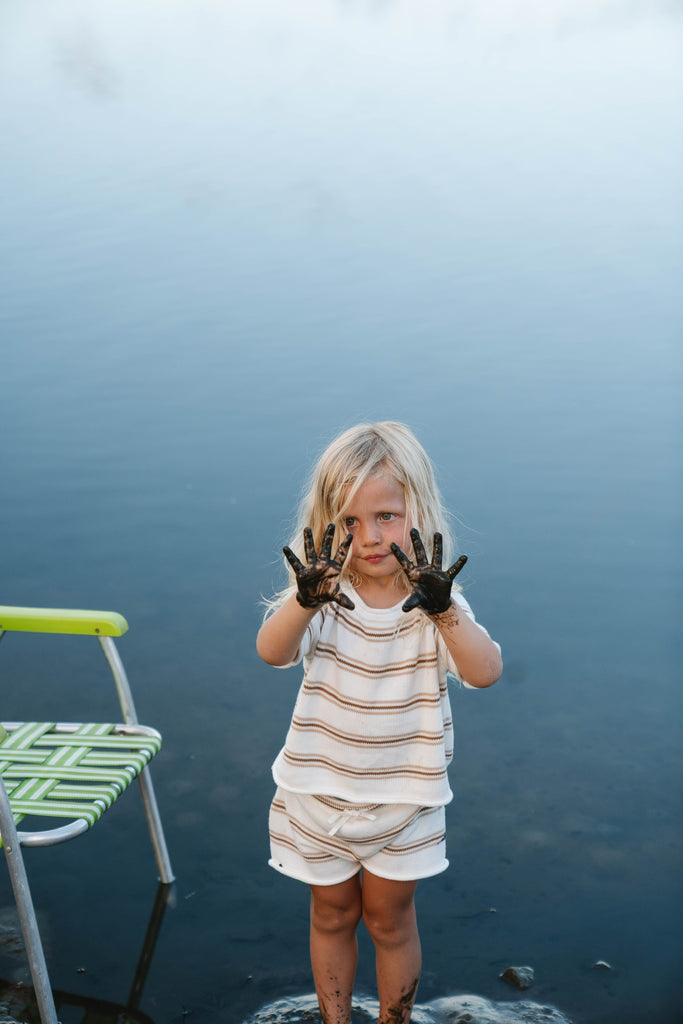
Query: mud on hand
column 430, row 585
column 318, row 580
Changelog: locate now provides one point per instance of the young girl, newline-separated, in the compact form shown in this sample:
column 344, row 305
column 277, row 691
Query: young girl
column 362, row 780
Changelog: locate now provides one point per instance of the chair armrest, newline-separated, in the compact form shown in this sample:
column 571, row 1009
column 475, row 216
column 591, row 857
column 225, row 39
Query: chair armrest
column 61, row 620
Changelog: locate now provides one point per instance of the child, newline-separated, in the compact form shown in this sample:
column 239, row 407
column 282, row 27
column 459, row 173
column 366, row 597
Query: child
column 362, row 780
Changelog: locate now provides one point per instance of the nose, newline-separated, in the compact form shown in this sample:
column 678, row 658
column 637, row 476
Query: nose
column 369, row 534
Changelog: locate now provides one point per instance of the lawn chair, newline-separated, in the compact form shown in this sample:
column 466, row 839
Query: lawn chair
column 71, row 772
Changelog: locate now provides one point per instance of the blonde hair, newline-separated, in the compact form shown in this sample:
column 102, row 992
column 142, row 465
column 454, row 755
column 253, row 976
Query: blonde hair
column 352, row 458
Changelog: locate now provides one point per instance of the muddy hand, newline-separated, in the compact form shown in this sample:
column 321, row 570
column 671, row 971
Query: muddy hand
column 318, row 580
column 430, row 585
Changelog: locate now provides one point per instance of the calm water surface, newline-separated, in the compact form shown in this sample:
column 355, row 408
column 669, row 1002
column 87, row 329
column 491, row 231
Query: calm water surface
column 230, row 230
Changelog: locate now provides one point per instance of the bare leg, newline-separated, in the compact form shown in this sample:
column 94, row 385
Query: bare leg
column 335, row 913
column 389, row 915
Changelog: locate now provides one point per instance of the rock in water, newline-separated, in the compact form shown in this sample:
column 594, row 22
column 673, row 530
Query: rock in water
column 518, row 977
column 450, row 1010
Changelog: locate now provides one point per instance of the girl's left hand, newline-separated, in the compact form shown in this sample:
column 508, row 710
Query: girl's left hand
column 430, row 585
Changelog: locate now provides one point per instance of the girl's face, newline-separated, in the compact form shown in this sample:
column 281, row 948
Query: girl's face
column 376, row 517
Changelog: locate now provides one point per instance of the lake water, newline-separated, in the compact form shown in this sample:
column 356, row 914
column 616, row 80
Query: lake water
column 230, row 230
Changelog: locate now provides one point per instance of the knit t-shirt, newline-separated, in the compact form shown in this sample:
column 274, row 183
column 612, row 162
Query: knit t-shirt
column 372, row 720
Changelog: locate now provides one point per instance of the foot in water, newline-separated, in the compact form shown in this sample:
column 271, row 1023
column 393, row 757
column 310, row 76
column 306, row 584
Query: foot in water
column 449, row 1010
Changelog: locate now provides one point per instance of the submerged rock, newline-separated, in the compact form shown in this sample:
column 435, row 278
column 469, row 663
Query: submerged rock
column 6, row 1018
column 450, row 1010
column 477, row 1010
column 9, row 1008
column 518, row 977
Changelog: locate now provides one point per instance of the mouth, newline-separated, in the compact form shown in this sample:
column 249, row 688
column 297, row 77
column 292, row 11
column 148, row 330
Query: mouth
column 373, row 558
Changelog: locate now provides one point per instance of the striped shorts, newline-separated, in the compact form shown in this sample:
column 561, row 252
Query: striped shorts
column 322, row 840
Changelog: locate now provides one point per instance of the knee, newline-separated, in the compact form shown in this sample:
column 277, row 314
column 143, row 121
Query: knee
column 390, row 926
column 334, row 917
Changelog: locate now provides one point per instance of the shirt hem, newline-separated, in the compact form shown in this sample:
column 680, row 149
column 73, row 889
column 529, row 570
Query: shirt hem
column 367, row 797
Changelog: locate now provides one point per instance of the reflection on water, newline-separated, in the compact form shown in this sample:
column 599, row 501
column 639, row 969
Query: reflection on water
column 18, row 1002
column 231, row 221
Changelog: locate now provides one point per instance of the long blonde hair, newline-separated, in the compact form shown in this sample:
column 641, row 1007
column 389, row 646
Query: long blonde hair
column 352, row 458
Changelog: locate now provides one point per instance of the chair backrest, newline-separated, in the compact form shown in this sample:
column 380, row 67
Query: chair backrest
column 61, row 620
column 73, row 624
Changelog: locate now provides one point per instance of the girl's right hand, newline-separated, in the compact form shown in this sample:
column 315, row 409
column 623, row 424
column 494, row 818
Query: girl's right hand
column 318, row 581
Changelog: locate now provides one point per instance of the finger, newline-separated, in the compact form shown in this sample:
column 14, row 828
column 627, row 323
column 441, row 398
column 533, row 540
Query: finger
column 343, row 549
column 456, row 567
column 437, row 551
column 412, row 602
column 401, row 557
column 418, row 547
column 326, row 546
column 344, row 601
column 293, row 560
column 309, row 546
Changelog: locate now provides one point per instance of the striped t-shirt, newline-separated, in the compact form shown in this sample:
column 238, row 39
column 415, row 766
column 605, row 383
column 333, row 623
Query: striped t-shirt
column 372, row 720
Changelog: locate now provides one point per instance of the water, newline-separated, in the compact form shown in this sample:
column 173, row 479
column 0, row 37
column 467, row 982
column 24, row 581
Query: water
column 231, row 230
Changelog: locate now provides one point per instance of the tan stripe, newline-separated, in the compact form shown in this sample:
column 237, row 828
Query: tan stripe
column 395, row 771
column 368, row 707
column 314, row 858
column 320, row 839
column 337, row 847
column 344, row 805
column 391, row 668
column 342, row 843
column 420, row 844
column 314, row 725
column 375, row 635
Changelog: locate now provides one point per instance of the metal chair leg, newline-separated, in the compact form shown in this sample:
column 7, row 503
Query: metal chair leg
column 27, row 914
column 155, row 828
column 130, row 716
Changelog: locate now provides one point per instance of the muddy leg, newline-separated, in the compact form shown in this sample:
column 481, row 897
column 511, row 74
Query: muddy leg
column 335, row 913
column 389, row 915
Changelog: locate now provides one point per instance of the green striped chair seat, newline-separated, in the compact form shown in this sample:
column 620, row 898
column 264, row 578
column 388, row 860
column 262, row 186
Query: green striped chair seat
column 63, row 770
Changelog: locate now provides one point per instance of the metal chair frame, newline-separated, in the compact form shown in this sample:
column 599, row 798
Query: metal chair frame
column 105, row 626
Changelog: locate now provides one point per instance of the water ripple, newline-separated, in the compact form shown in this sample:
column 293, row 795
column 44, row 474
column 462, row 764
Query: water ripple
column 465, row 1009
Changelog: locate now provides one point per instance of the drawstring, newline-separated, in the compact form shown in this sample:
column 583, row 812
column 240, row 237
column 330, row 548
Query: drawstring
column 337, row 821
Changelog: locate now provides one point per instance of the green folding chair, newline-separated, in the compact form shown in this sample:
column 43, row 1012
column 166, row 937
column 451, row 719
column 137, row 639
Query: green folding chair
column 72, row 772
